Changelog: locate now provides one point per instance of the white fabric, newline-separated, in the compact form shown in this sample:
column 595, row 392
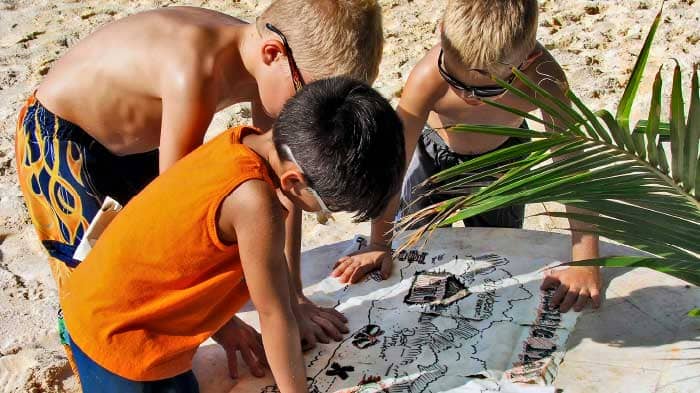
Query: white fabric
column 445, row 321
column 99, row 223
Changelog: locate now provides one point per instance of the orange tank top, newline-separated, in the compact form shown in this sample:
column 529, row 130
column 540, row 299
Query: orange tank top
column 159, row 282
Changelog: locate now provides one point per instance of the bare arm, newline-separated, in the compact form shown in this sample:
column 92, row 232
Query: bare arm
column 315, row 323
column 576, row 286
column 187, row 112
column 413, row 118
column 584, row 245
column 292, row 246
column 420, row 93
column 252, row 215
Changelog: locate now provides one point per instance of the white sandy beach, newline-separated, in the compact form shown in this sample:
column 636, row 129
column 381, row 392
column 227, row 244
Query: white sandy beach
column 596, row 42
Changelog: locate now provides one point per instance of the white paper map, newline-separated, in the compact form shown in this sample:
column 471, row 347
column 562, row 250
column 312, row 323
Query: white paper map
column 443, row 322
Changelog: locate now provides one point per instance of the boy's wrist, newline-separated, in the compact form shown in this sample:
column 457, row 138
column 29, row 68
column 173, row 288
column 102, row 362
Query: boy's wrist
column 584, row 246
column 381, row 244
column 381, row 234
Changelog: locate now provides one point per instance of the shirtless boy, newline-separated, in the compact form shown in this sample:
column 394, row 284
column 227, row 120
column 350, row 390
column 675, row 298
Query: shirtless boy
column 479, row 38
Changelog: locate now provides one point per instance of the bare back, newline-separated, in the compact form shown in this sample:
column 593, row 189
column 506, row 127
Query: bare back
column 112, row 83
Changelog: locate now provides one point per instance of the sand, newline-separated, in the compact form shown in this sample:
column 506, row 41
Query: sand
column 595, row 41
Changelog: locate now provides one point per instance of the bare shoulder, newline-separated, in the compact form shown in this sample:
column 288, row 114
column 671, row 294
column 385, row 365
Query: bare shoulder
column 252, row 206
column 185, row 40
column 422, row 91
column 424, row 85
column 547, row 72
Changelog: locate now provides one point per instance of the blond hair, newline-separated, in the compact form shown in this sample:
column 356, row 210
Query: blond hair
column 483, row 34
column 330, row 37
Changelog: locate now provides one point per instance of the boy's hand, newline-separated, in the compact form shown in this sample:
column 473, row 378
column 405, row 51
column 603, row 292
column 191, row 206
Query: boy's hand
column 576, row 286
column 236, row 336
column 352, row 268
column 317, row 324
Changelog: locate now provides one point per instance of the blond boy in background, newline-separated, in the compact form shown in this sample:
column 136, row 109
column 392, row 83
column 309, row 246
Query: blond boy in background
column 479, row 38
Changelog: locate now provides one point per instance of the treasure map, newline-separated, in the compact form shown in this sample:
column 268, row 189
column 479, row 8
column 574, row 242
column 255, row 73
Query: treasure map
column 444, row 321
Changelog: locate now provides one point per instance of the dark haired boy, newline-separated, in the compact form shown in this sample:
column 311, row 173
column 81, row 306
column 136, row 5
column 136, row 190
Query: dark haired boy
column 209, row 233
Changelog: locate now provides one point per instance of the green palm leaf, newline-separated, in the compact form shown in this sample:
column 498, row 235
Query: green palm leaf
column 692, row 138
column 685, row 270
column 596, row 164
column 677, row 127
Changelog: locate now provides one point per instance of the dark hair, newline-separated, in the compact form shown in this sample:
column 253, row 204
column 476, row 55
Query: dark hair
column 349, row 142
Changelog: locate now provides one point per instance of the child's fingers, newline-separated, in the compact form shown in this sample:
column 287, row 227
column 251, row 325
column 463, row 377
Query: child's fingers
column 333, row 318
column 595, row 297
column 349, row 270
column 559, row 295
column 568, row 301
column 253, row 363
column 308, row 342
column 320, row 334
column 335, row 312
column 260, row 354
column 328, row 328
column 232, row 364
column 549, row 282
column 341, row 267
column 581, row 302
column 341, row 260
column 256, row 345
column 359, row 273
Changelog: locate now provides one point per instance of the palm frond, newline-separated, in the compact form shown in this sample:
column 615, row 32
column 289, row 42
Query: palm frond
column 594, row 162
column 692, row 140
column 677, row 126
column 682, row 269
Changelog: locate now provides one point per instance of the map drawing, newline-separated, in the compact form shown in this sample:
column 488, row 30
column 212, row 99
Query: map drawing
column 443, row 322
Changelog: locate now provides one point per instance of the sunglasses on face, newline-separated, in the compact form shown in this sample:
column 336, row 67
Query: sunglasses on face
column 473, row 91
column 323, row 215
column 296, row 74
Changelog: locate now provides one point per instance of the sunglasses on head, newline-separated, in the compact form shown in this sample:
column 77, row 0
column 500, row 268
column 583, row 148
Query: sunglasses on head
column 296, row 74
column 323, row 215
column 473, row 91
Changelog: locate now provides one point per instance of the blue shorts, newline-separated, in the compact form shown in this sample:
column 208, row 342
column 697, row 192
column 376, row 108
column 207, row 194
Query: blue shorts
column 65, row 174
column 95, row 379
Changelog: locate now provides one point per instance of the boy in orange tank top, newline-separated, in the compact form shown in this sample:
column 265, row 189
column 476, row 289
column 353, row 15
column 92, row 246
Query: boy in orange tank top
column 185, row 254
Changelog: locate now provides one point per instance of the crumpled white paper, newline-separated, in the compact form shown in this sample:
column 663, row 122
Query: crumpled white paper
column 99, row 223
column 443, row 322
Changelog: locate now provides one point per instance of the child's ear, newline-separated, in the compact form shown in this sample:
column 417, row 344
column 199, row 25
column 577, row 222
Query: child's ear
column 292, row 182
column 271, row 51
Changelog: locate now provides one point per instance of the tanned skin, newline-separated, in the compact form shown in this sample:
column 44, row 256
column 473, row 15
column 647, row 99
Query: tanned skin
column 154, row 80
column 427, row 98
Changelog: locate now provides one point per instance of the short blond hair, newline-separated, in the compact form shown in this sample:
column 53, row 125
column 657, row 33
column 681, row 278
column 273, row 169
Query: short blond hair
column 330, row 37
column 483, row 34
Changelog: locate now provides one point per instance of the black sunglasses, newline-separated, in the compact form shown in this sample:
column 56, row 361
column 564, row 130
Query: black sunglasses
column 296, row 74
column 475, row 91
